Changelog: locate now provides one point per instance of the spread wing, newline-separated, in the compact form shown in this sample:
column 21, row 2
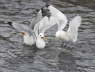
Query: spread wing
column 60, row 16
column 36, row 19
column 45, row 24
column 50, row 22
column 21, row 27
column 73, row 27
column 39, row 25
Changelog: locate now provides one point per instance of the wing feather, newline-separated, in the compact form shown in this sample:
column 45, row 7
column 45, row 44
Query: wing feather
column 73, row 27
column 22, row 28
column 60, row 16
column 45, row 24
column 48, row 24
column 36, row 19
column 39, row 26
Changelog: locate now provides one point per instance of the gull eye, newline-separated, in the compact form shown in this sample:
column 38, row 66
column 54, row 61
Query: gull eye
column 41, row 35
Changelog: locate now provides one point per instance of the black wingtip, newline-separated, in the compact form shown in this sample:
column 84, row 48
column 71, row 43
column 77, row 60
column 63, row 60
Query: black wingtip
column 10, row 23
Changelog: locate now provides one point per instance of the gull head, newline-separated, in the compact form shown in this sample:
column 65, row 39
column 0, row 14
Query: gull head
column 45, row 12
column 40, row 43
column 42, row 36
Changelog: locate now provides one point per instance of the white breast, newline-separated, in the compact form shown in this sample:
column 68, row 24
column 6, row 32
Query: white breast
column 29, row 40
column 62, row 35
column 40, row 43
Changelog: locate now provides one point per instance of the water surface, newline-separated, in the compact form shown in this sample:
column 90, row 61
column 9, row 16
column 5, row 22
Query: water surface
column 57, row 56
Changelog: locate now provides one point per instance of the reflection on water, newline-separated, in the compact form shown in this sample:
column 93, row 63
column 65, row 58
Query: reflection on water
column 57, row 56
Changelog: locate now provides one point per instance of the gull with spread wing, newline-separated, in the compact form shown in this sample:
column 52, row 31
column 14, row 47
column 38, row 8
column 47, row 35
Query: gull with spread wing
column 26, row 31
column 40, row 29
column 29, row 37
column 36, row 33
column 72, row 33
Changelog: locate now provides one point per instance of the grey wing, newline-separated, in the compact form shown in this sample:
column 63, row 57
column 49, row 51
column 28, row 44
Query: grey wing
column 36, row 19
column 73, row 27
column 21, row 27
column 44, row 24
column 38, row 26
column 60, row 17
column 48, row 23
